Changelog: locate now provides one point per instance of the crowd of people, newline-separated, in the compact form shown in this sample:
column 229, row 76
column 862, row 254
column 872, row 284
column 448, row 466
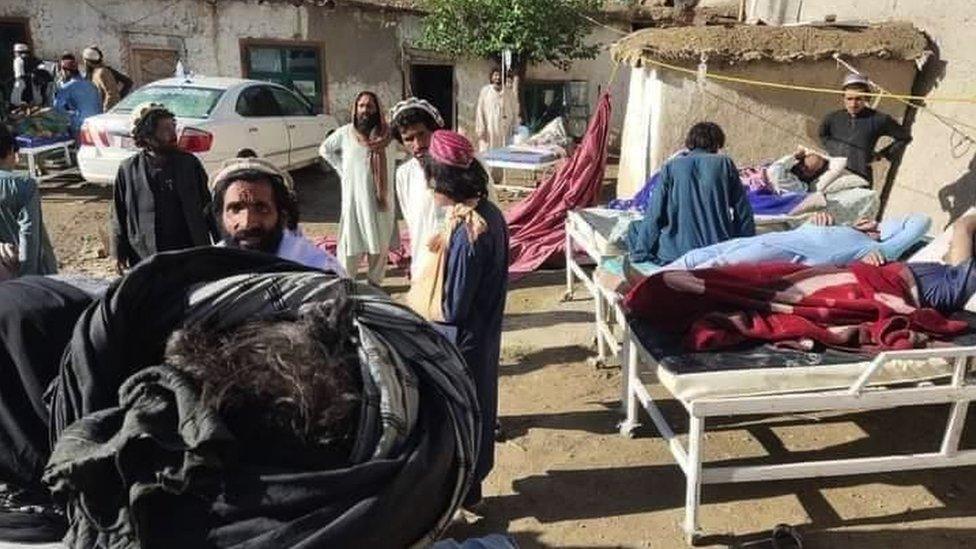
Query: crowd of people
column 170, row 220
column 76, row 90
column 295, row 386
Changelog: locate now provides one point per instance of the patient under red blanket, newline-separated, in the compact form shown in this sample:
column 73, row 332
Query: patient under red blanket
column 859, row 307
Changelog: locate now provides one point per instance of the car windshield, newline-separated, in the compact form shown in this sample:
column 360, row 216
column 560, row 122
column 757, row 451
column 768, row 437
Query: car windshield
column 184, row 102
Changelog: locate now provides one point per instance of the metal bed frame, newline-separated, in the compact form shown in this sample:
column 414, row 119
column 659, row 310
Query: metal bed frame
column 859, row 396
column 606, row 306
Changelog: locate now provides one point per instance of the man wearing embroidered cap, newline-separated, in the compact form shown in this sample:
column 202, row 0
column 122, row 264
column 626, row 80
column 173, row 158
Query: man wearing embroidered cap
column 853, row 132
column 256, row 209
column 161, row 201
column 361, row 153
column 465, row 276
column 413, row 121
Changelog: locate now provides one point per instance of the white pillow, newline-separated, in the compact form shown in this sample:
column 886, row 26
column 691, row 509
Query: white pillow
column 935, row 251
column 835, row 168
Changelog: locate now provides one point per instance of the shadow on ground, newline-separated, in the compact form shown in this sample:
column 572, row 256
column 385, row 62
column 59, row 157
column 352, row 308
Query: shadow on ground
column 524, row 363
column 594, row 493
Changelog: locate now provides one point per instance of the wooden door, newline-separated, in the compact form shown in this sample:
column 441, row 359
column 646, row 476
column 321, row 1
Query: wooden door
column 151, row 64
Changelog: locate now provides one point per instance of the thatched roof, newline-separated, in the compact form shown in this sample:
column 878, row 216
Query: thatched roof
column 744, row 43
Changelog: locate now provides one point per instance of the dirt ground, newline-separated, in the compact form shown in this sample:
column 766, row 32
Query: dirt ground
column 565, row 478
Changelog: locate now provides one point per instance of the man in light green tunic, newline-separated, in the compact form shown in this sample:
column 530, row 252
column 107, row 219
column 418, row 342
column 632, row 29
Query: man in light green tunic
column 362, row 154
column 21, row 222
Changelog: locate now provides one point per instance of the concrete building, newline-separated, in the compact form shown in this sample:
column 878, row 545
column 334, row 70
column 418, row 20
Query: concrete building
column 761, row 123
column 328, row 50
column 938, row 172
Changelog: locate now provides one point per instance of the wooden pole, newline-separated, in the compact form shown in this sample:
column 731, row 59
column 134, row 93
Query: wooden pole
column 742, row 11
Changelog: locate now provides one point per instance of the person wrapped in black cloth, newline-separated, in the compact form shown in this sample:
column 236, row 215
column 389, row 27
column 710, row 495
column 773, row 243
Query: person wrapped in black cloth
column 221, row 398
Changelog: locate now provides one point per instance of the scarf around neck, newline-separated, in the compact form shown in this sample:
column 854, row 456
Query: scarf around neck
column 376, row 142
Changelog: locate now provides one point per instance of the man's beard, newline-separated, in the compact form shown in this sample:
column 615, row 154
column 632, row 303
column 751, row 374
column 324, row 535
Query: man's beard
column 265, row 241
column 366, row 123
column 163, row 147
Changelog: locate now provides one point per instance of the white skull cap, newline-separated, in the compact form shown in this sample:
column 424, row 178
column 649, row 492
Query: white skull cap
column 91, row 53
column 852, row 79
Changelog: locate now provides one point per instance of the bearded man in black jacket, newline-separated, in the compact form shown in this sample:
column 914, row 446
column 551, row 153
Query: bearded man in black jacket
column 161, row 202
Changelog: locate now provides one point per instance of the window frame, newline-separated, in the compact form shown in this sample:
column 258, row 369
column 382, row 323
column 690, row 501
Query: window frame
column 247, row 43
column 240, row 97
column 301, row 100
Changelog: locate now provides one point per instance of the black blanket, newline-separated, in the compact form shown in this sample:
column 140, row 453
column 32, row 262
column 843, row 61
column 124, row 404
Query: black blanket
column 181, row 487
column 36, row 318
column 37, row 315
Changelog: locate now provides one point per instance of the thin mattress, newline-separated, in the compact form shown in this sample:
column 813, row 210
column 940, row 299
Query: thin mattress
column 764, row 370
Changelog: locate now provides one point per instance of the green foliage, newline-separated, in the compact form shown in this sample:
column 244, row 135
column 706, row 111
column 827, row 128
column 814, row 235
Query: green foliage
column 535, row 30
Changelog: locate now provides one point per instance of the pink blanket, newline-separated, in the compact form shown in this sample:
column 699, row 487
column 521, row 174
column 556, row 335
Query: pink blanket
column 537, row 225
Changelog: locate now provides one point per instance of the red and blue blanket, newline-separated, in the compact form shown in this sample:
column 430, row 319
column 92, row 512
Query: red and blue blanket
column 859, row 307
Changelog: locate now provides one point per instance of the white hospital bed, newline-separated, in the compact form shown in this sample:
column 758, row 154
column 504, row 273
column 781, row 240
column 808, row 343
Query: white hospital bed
column 800, row 383
column 590, row 230
column 890, row 380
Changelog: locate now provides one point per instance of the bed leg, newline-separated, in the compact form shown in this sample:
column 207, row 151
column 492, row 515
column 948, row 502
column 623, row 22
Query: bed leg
column 601, row 318
column 957, row 414
column 629, row 379
column 32, row 170
column 696, row 428
column 568, row 296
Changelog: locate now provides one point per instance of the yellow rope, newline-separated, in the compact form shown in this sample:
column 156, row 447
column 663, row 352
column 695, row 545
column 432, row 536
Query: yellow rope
column 793, row 87
column 948, row 121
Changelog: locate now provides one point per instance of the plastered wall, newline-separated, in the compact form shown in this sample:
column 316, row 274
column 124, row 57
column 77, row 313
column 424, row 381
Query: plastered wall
column 938, row 172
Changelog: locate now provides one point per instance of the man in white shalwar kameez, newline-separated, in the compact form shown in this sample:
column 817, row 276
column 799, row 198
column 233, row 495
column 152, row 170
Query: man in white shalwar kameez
column 362, row 154
column 413, row 121
column 496, row 114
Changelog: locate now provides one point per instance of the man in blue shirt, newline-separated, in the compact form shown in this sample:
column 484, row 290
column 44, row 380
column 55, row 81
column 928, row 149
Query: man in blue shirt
column 816, row 243
column 700, row 201
column 76, row 96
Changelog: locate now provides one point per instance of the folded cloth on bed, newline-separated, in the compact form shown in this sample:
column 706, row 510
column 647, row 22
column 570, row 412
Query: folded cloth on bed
column 859, row 307
column 618, row 274
column 521, row 155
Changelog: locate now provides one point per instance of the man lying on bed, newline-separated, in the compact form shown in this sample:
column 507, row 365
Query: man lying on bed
column 942, row 286
column 806, row 171
column 819, row 242
column 807, row 181
column 865, row 306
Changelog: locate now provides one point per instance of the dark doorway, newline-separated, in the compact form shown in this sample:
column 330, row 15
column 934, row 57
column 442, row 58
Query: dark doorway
column 435, row 83
column 12, row 31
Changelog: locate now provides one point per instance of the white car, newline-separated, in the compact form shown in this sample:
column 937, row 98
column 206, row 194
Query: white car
column 217, row 119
